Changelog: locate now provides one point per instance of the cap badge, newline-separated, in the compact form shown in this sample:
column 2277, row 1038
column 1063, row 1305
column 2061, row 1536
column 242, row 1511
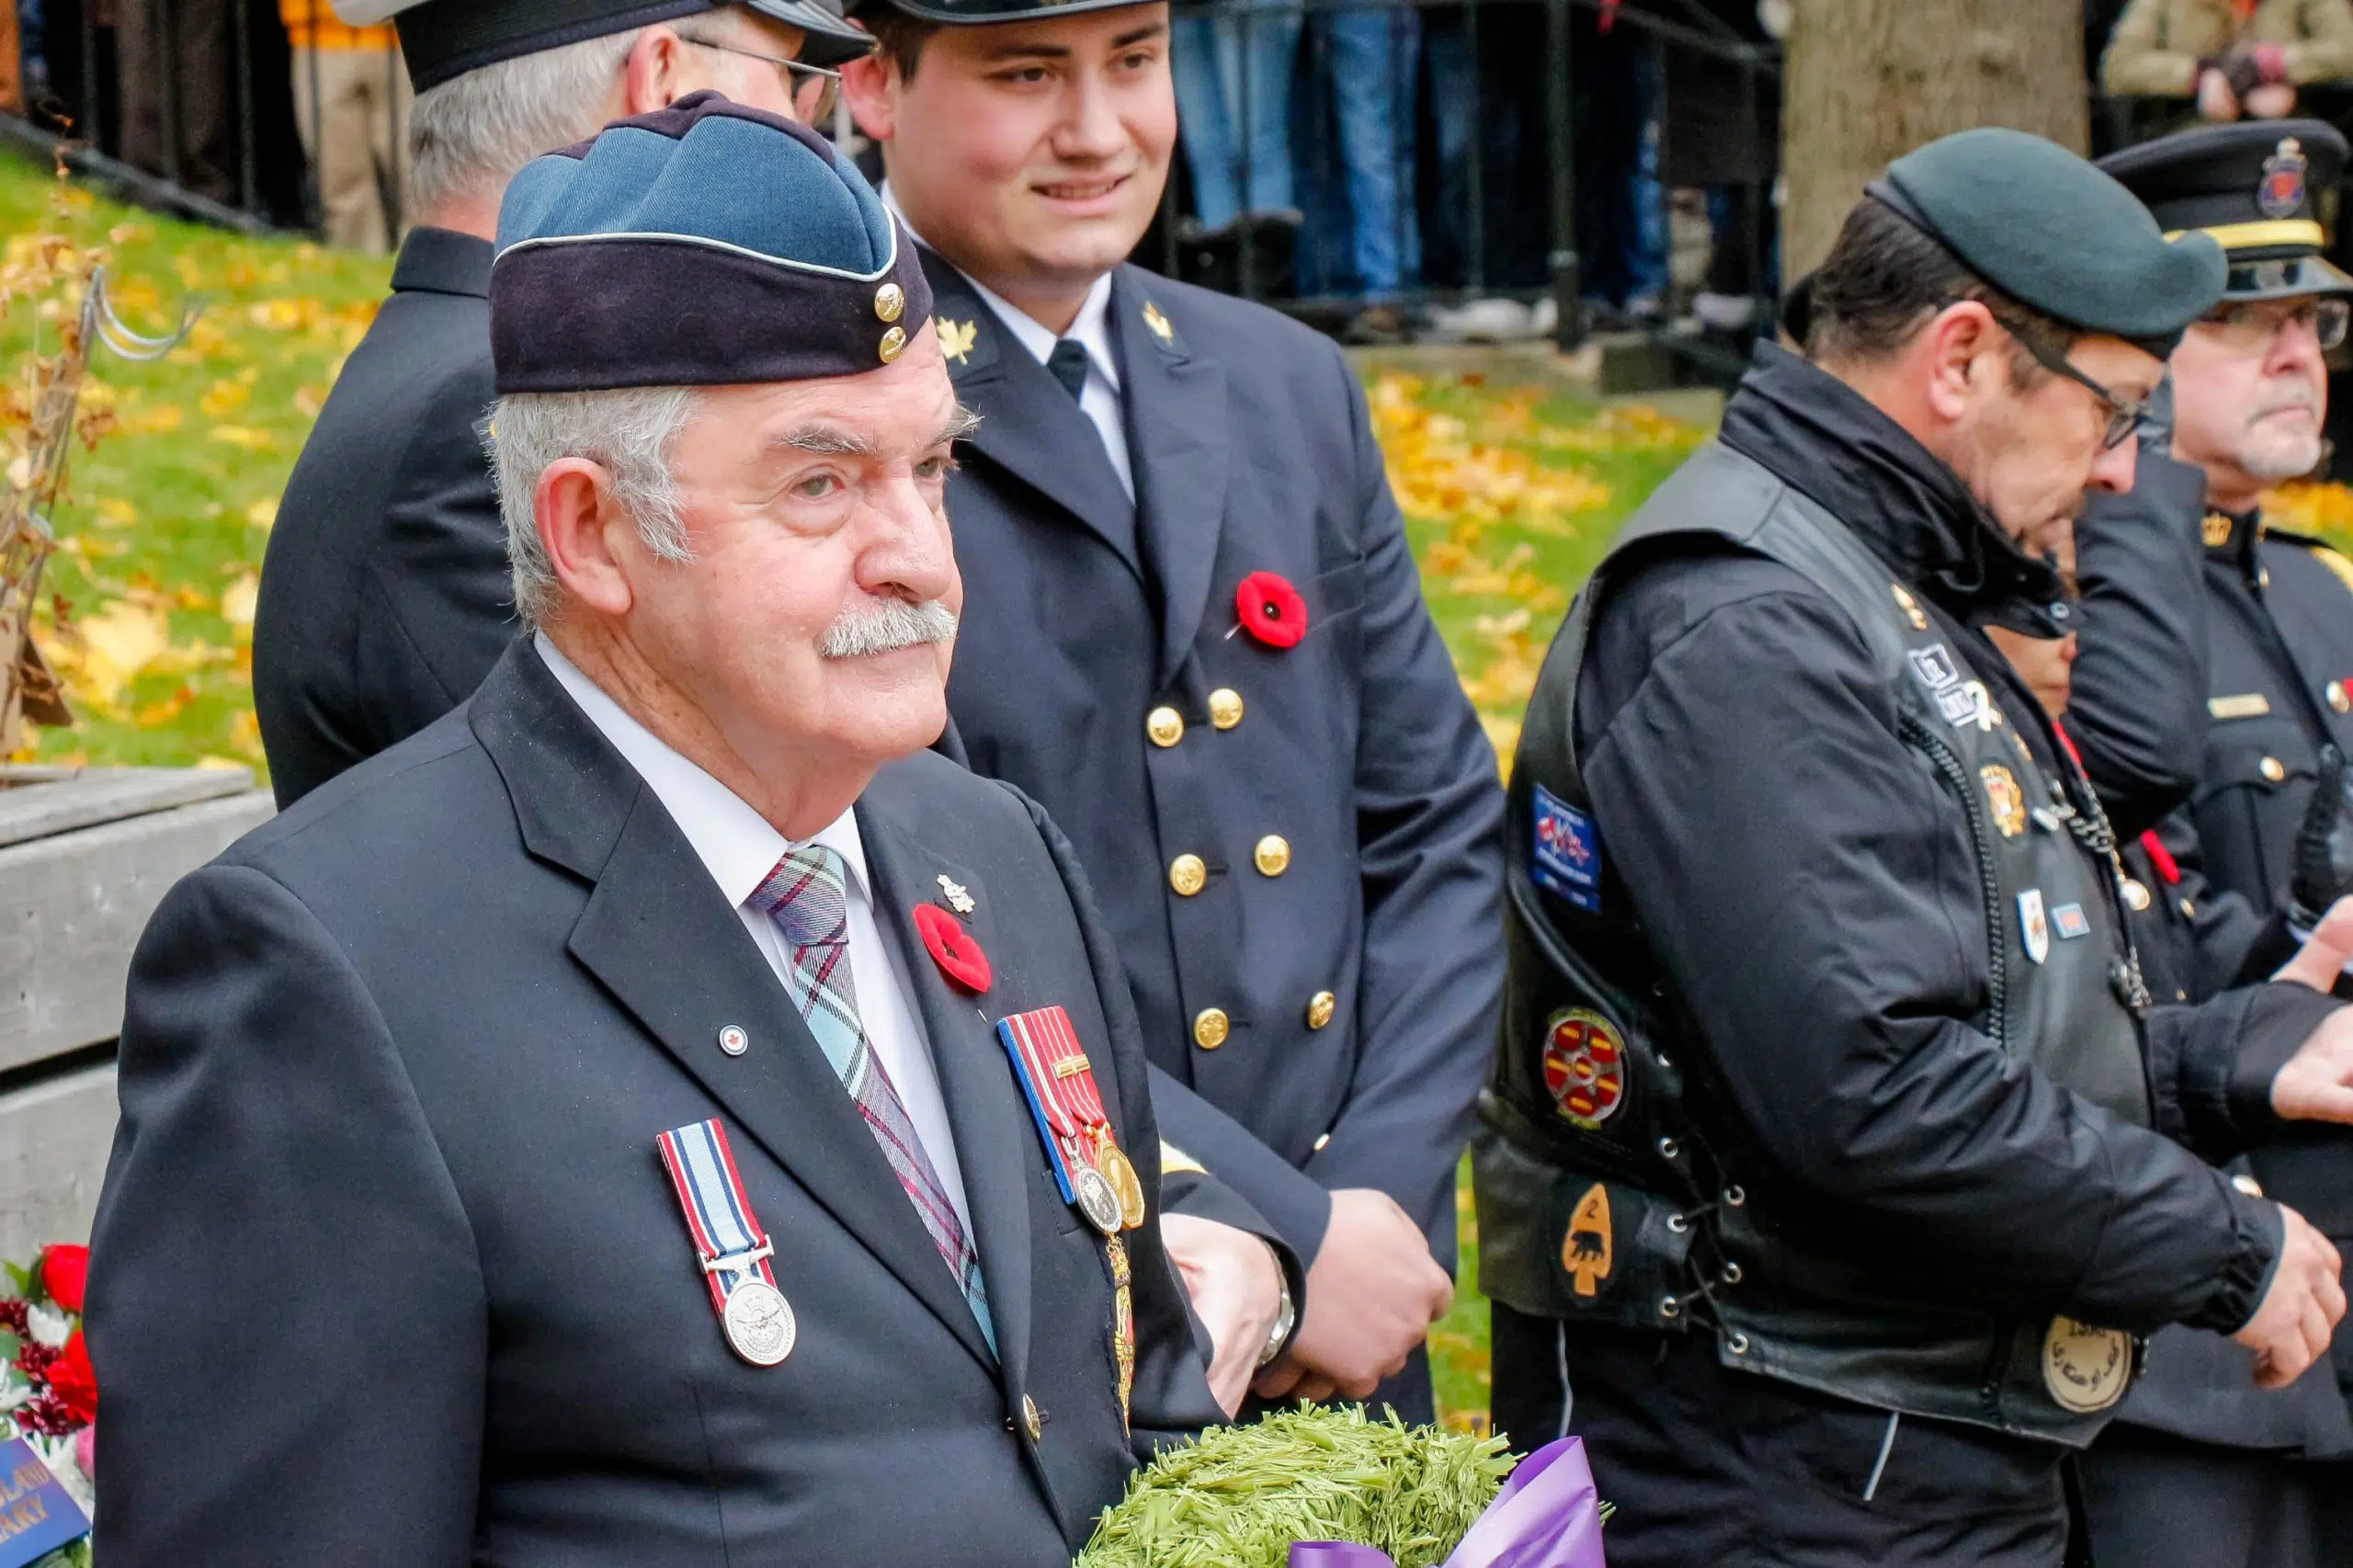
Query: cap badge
column 2281, row 192
column 1158, row 323
column 889, row 301
column 956, row 337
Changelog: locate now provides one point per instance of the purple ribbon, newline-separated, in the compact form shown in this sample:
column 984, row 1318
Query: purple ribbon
column 1548, row 1516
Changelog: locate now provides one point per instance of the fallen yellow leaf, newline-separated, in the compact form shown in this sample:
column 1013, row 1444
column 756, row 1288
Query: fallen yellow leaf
column 237, row 602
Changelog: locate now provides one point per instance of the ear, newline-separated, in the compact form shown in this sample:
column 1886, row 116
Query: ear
column 870, row 87
column 1952, row 343
column 651, row 74
column 587, row 535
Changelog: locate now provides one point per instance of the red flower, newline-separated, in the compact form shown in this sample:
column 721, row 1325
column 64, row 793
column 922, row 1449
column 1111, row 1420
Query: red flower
column 1271, row 609
column 65, row 1272
column 73, row 1380
column 952, row 948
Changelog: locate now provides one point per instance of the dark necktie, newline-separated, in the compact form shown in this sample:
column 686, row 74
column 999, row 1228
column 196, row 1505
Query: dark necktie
column 1068, row 363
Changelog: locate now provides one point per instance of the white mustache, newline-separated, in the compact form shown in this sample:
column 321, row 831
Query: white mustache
column 889, row 626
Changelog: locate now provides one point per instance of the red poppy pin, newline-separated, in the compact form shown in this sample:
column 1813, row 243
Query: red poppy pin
column 1271, row 609
column 953, row 949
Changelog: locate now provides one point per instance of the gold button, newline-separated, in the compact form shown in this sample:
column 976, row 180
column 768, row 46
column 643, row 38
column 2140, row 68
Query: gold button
column 1225, row 708
column 895, row 343
column 889, row 301
column 1322, row 1140
column 2272, row 769
column 2247, row 1185
column 1188, row 875
column 1272, row 854
column 1033, row 1420
column 1165, row 726
column 2189, row 910
column 2337, row 697
column 2136, row 893
column 1320, row 1008
column 1211, row 1025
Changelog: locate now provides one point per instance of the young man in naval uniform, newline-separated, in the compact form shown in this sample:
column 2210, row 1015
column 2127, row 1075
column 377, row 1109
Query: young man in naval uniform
column 1197, row 635
column 659, row 1114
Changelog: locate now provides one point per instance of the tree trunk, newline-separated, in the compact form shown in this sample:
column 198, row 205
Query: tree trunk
column 1869, row 80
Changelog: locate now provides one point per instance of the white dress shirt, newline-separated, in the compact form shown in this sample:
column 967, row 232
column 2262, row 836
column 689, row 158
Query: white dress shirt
column 739, row 849
column 1100, row 400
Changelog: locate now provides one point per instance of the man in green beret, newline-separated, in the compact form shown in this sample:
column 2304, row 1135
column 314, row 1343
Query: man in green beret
column 1833, row 1164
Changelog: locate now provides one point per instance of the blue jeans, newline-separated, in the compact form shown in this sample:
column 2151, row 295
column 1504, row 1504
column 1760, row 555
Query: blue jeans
column 1367, row 60
column 1232, row 68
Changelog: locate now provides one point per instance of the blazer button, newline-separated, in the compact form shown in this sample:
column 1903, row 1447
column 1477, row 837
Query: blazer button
column 2337, row 697
column 1320, row 1008
column 1211, row 1025
column 1165, row 726
column 1033, row 1420
column 1272, row 854
column 2272, row 769
column 1225, row 708
column 1188, row 875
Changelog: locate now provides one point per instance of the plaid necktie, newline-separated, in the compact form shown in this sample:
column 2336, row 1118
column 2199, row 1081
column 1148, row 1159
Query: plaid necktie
column 804, row 895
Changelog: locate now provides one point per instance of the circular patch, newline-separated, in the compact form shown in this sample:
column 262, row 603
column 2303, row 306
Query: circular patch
column 1584, row 1066
column 2086, row 1368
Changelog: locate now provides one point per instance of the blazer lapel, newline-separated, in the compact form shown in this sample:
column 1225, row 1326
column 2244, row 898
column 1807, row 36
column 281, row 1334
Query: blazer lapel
column 659, row 937
column 1030, row 426
column 1178, row 434
column 995, row 1140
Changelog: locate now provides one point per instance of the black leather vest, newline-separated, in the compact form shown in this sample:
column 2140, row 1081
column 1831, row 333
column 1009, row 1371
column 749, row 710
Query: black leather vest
column 1610, row 1187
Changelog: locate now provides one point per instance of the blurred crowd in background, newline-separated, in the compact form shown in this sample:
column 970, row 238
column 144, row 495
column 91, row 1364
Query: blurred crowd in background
column 1391, row 171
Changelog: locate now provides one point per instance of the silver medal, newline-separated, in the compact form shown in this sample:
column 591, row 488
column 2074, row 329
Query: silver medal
column 759, row 1323
column 1097, row 1199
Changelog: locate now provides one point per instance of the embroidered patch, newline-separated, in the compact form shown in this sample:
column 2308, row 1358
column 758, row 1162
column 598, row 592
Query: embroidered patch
column 1584, row 1066
column 1566, row 852
column 1586, row 1249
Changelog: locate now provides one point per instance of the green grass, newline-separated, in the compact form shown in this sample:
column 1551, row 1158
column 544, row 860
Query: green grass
column 1510, row 495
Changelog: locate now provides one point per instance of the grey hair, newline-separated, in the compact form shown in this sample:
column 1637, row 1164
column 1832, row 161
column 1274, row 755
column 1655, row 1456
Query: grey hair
column 469, row 135
column 628, row 432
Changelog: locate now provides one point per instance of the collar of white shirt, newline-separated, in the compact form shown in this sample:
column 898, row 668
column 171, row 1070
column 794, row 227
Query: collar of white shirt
column 1091, row 329
column 735, row 843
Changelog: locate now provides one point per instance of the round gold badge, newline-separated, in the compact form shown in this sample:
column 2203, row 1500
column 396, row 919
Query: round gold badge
column 895, row 343
column 1225, row 708
column 2086, row 1368
column 890, row 300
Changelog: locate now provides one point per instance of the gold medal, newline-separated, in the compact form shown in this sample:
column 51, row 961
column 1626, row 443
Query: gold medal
column 1122, row 1174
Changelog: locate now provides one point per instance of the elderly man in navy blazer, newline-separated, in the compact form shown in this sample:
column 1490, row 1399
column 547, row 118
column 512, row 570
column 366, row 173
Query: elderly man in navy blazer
column 1197, row 635
column 658, row 1114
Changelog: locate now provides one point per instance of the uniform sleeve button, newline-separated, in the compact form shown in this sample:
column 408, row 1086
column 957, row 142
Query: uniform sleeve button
column 1272, row 854
column 1210, row 1026
column 1165, row 726
column 1320, row 1008
column 1187, row 874
column 1225, row 708
column 2272, row 769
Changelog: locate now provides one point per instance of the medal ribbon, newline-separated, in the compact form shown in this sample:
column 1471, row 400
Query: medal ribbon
column 1068, row 1108
column 719, row 1217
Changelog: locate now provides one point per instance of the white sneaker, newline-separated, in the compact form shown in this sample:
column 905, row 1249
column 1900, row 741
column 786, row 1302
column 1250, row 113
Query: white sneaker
column 1724, row 312
column 1484, row 321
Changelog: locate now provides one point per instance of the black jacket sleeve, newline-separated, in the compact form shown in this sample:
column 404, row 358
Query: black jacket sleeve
column 1812, row 895
column 277, row 1210
column 2138, row 708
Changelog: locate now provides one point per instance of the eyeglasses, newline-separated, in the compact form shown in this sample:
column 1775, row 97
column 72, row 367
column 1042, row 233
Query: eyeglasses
column 2124, row 415
column 802, row 76
column 2252, row 326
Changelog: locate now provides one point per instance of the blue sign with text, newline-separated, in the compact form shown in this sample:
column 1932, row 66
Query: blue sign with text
column 36, row 1514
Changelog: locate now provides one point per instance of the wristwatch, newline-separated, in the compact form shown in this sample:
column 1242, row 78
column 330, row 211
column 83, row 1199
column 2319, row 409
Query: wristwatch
column 1286, row 1315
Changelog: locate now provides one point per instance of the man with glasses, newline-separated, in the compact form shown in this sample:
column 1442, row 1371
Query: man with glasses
column 1832, row 1159
column 2266, row 823
column 384, row 596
